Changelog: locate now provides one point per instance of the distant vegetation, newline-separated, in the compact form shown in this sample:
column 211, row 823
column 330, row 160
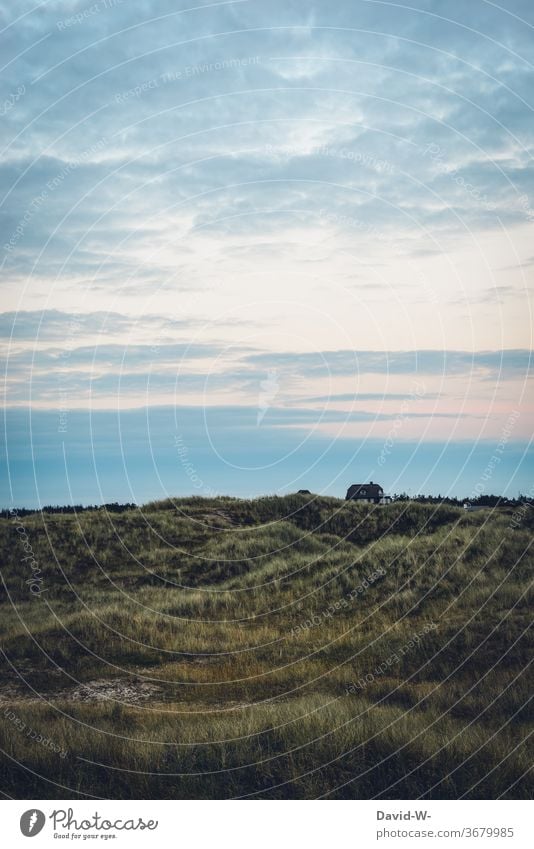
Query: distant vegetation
column 285, row 647
column 116, row 507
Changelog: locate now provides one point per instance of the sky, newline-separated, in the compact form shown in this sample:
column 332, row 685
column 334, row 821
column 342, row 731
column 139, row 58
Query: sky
column 252, row 247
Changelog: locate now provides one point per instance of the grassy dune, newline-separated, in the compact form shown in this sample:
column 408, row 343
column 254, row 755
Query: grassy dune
column 279, row 648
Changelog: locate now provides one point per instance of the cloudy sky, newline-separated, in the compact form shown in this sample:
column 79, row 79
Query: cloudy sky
column 251, row 247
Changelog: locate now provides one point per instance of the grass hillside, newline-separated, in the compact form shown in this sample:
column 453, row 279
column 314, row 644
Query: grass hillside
column 289, row 647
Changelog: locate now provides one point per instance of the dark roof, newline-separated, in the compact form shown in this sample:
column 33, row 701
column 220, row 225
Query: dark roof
column 365, row 490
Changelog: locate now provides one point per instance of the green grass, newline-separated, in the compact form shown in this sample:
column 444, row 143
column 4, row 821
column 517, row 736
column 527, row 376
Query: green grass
column 290, row 648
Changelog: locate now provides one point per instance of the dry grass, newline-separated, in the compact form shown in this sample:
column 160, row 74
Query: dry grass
column 287, row 648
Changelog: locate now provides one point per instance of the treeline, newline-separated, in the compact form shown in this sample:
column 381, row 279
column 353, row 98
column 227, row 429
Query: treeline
column 116, row 507
column 480, row 501
column 113, row 507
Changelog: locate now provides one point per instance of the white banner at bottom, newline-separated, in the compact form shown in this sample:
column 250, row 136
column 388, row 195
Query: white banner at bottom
column 269, row 824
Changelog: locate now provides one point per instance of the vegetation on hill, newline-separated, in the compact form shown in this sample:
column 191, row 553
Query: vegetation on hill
column 288, row 647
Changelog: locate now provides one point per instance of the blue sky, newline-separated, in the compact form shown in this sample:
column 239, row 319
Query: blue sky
column 297, row 237
column 144, row 453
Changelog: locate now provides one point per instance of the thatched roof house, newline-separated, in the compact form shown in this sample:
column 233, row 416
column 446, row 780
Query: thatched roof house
column 371, row 493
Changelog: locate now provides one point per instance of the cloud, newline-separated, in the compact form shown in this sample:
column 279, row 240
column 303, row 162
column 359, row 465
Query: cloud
column 365, row 396
column 527, row 263
column 55, row 324
column 114, row 356
column 484, row 363
column 133, row 371
column 47, row 325
column 218, row 113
